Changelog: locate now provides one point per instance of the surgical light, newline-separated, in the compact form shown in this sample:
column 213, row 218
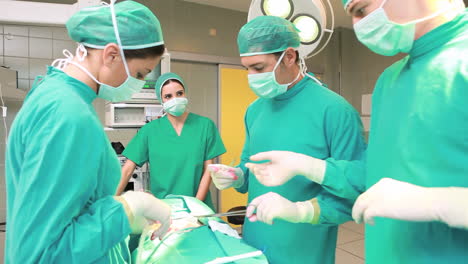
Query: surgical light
column 280, row 8
column 314, row 19
column 309, row 28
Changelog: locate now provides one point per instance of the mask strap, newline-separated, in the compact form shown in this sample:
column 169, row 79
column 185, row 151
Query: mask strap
column 279, row 61
column 304, row 72
column 117, row 36
column 63, row 62
column 436, row 14
column 383, row 3
column 81, row 52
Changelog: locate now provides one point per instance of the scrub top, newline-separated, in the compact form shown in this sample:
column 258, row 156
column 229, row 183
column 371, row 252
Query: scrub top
column 419, row 134
column 312, row 120
column 176, row 162
column 61, row 174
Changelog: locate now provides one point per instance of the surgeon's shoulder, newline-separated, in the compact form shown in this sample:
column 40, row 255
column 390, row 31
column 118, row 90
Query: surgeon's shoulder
column 256, row 105
column 323, row 96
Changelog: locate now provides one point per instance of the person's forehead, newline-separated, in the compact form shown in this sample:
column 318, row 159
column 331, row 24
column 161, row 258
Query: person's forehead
column 172, row 86
column 250, row 61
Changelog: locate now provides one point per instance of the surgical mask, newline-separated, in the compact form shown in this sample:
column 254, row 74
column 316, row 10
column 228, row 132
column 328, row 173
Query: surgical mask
column 124, row 91
column 176, row 106
column 265, row 85
column 385, row 37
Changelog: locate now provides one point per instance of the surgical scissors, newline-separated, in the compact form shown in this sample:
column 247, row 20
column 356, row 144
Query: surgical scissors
column 233, row 213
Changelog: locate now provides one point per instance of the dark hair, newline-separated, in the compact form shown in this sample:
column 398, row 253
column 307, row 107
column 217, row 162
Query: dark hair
column 278, row 54
column 170, row 81
column 150, row 52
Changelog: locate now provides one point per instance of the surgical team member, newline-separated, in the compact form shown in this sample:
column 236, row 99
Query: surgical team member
column 179, row 146
column 416, row 169
column 61, row 172
column 296, row 113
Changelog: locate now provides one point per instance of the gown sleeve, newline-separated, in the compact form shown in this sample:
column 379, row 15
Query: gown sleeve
column 61, row 216
column 245, row 157
column 214, row 146
column 137, row 148
column 345, row 139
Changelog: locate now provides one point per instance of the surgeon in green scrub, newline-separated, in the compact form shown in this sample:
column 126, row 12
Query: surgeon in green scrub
column 416, row 169
column 179, row 146
column 61, row 172
column 295, row 112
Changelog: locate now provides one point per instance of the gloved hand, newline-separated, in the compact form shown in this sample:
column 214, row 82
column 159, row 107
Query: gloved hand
column 404, row 201
column 143, row 209
column 283, row 165
column 225, row 176
column 271, row 206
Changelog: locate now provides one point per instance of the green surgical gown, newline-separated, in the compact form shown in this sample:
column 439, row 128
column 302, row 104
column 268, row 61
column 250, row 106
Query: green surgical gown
column 419, row 134
column 176, row 162
column 312, row 120
column 61, row 173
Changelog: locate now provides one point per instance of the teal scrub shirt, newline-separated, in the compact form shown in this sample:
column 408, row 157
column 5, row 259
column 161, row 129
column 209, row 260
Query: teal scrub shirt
column 61, row 174
column 176, row 162
column 312, row 120
column 419, row 134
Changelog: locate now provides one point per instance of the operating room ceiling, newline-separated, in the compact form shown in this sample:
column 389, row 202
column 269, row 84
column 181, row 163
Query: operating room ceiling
column 341, row 20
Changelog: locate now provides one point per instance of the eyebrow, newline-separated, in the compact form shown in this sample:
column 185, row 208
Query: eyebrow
column 255, row 64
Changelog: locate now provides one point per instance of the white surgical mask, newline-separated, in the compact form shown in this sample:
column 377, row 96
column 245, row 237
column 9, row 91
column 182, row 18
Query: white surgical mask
column 124, row 91
column 176, row 106
column 385, row 37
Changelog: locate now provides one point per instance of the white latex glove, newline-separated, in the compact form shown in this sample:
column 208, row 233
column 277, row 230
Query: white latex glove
column 270, row 206
column 225, row 176
column 283, row 165
column 394, row 199
column 143, row 209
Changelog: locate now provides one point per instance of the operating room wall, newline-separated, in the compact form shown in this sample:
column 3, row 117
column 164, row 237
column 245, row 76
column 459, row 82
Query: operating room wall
column 187, row 26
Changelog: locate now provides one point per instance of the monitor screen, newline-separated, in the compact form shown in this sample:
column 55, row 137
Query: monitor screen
column 152, row 77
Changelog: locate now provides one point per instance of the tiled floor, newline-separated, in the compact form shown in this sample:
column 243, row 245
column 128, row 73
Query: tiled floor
column 350, row 248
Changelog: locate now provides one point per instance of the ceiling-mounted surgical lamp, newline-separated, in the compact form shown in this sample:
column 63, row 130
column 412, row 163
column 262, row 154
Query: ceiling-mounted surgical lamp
column 280, row 8
column 309, row 16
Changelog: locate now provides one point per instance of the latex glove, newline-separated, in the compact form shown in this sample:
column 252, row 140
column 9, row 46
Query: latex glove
column 225, row 176
column 404, row 201
column 283, row 165
column 270, row 206
column 144, row 209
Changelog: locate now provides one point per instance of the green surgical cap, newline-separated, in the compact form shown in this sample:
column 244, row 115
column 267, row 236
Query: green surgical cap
column 138, row 26
column 346, row 3
column 163, row 79
column 267, row 34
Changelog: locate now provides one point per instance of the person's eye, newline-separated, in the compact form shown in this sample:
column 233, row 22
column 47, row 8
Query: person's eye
column 140, row 76
column 361, row 12
column 260, row 68
column 180, row 93
column 167, row 96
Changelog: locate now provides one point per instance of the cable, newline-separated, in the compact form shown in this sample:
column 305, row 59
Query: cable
column 4, row 112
